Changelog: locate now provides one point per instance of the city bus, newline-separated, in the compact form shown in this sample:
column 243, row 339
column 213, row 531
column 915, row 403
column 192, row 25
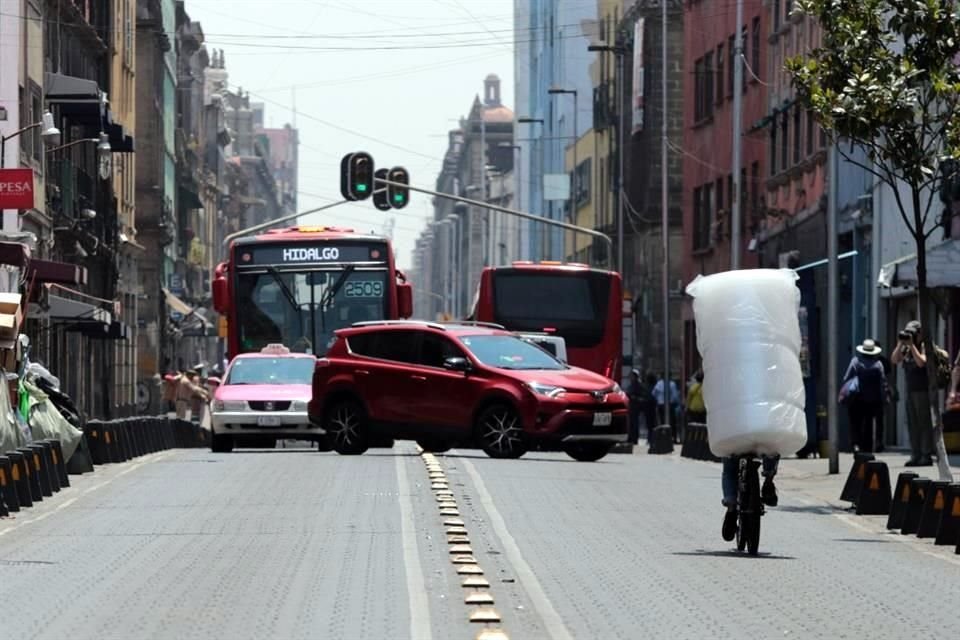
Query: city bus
column 581, row 305
column 298, row 285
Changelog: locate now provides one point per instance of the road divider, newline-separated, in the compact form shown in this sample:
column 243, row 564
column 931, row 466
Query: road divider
column 8, row 490
column 851, row 488
column 476, row 587
column 662, row 440
column 949, row 530
column 901, row 499
column 930, row 514
column 874, row 498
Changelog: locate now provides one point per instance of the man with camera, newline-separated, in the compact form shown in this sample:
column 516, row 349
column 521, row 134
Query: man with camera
column 910, row 353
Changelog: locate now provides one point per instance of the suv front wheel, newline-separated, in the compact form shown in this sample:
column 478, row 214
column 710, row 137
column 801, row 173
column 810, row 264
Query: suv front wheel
column 345, row 423
column 500, row 432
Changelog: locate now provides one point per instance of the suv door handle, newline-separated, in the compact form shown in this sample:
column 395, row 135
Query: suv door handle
column 419, row 378
column 361, row 372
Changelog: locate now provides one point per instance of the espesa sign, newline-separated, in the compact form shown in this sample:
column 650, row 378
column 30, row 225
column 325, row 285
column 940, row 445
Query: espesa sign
column 16, row 188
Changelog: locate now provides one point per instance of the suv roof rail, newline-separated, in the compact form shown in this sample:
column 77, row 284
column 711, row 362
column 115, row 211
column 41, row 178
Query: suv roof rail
column 476, row 323
column 415, row 323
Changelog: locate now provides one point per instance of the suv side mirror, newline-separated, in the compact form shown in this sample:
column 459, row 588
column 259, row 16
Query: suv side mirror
column 404, row 300
column 457, row 364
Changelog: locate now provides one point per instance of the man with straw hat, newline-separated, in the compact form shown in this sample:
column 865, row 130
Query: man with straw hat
column 865, row 406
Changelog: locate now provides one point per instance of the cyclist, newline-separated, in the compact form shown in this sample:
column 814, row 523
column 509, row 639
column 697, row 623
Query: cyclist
column 729, row 480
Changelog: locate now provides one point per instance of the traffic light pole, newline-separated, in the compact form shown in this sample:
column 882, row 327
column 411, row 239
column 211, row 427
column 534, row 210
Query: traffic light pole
column 512, row 212
column 266, row 225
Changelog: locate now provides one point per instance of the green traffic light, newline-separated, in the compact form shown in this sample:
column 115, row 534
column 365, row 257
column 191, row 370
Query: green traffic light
column 398, row 197
column 361, row 187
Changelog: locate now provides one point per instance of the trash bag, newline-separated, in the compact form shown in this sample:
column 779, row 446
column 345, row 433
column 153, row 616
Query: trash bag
column 10, row 435
column 46, row 421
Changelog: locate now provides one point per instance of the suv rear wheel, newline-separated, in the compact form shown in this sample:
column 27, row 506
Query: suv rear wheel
column 587, row 451
column 345, row 422
column 500, row 432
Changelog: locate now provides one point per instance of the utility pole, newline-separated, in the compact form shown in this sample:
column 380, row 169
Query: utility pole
column 832, row 404
column 735, row 205
column 665, row 220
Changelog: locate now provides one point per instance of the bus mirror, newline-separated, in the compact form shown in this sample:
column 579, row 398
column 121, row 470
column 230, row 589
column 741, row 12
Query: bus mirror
column 404, row 300
column 220, row 301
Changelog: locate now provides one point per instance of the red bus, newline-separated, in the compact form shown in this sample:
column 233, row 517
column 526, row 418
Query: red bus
column 581, row 305
column 296, row 286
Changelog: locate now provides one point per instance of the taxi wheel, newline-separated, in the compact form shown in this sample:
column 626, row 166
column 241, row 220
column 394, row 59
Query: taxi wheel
column 221, row 443
column 500, row 432
column 345, row 422
column 588, row 451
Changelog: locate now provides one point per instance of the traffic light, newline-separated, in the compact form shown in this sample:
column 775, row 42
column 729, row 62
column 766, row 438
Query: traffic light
column 356, row 176
column 380, row 199
column 398, row 196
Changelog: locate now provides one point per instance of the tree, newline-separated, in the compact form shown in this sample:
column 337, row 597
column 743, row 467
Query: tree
column 885, row 79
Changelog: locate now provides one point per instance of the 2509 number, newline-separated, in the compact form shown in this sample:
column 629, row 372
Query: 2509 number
column 363, row 290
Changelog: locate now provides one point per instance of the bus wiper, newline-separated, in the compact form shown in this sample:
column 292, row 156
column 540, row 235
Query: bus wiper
column 334, row 289
column 284, row 288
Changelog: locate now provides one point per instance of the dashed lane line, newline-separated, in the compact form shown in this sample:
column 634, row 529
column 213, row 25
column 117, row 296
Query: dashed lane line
column 552, row 621
column 416, row 584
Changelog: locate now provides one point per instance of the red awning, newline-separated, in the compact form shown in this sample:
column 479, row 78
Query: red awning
column 50, row 271
column 14, row 254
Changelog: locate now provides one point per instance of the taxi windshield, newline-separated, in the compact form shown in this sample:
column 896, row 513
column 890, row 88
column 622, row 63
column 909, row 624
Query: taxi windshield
column 260, row 370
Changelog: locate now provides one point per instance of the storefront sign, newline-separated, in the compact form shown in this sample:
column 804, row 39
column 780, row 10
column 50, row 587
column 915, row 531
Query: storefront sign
column 16, row 188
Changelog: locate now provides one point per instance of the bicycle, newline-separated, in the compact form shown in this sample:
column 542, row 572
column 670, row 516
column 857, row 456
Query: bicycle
column 749, row 505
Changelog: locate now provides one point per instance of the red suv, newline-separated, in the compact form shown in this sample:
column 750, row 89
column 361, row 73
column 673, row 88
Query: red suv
column 447, row 385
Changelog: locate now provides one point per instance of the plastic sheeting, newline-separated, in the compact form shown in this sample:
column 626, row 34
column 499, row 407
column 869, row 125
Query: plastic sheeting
column 748, row 334
column 46, row 421
column 10, row 435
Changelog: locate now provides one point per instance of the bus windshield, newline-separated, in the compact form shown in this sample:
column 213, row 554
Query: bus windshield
column 574, row 304
column 301, row 309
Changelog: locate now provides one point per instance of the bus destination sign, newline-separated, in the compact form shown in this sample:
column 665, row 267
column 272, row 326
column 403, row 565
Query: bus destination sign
column 310, row 253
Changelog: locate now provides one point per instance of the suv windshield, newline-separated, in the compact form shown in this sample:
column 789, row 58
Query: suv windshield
column 271, row 371
column 509, row 352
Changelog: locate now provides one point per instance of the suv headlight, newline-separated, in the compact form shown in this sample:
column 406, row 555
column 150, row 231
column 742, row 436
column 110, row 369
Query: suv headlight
column 299, row 405
column 616, row 388
column 549, row 390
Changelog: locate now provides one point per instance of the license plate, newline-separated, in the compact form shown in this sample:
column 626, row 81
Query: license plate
column 268, row 421
column 602, row 419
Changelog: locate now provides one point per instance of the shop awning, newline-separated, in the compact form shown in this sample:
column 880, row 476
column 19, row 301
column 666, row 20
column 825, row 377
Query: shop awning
column 176, row 303
column 120, row 141
column 51, row 271
column 67, row 310
column 14, row 254
column 943, row 268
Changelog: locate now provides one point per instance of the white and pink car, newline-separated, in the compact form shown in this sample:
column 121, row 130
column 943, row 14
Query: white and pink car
column 263, row 397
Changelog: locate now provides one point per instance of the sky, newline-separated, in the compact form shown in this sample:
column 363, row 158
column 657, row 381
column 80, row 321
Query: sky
column 388, row 77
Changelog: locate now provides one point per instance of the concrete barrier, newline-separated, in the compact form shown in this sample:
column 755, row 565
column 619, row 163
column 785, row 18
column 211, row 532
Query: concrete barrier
column 21, row 477
column 948, row 532
column 851, row 488
column 33, row 474
column 49, row 470
column 662, row 441
column 8, row 490
column 901, row 498
column 932, row 510
column 919, row 487
column 874, row 498
column 59, row 464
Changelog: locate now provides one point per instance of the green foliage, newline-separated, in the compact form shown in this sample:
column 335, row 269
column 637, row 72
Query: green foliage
column 886, row 77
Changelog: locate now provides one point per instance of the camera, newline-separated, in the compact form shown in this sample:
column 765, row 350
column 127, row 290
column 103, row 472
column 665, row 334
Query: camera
column 906, row 335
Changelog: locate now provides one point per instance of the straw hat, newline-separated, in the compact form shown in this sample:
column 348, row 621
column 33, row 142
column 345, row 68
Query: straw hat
column 869, row 348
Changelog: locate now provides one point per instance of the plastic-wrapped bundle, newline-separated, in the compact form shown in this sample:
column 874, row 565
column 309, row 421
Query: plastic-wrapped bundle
column 748, row 334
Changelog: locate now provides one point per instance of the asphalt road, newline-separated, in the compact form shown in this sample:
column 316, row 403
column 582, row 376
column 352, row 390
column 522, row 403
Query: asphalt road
column 298, row 544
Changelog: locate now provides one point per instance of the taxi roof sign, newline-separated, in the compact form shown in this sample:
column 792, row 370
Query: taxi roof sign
column 275, row 349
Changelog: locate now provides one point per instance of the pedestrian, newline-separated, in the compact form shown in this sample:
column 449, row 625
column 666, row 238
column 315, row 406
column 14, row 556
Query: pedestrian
column 649, row 405
column 910, row 352
column 638, row 395
column 665, row 403
column 866, row 404
column 696, row 409
column 188, row 391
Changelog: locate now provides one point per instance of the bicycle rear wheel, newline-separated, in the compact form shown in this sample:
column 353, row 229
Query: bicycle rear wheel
column 750, row 508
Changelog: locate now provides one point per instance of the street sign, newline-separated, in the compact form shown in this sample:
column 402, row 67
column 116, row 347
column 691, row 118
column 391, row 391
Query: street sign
column 16, row 188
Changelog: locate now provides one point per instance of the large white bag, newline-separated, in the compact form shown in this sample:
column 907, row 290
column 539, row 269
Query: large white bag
column 748, row 334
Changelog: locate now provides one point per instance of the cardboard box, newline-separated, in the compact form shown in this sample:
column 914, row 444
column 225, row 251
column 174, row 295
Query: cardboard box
column 10, row 324
column 8, row 360
column 10, row 303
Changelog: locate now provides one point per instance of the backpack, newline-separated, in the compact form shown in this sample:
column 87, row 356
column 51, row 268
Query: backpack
column 943, row 368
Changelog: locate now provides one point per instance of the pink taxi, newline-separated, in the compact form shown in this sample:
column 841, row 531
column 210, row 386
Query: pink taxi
column 263, row 397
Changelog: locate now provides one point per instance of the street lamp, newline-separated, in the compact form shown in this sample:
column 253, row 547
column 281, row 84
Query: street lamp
column 534, row 176
column 104, row 153
column 50, row 134
column 518, row 188
column 558, row 91
column 455, row 222
column 619, row 52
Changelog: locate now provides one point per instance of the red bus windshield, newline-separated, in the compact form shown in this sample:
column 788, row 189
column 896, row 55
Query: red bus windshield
column 575, row 304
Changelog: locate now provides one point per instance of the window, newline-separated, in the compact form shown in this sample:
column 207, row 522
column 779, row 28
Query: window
column 743, row 191
column 755, row 47
column 721, row 203
column 708, row 91
column 582, row 182
column 773, row 147
column 397, row 345
column 698, row 91
column 797, row 131
column 784, row 140
column 721, row 61
column 435, row 349
column 810, row 123
column 510, row 352
column 754, row 189
column 698, row 242
column 776, row 15
column 743, row 52
column 731, row 44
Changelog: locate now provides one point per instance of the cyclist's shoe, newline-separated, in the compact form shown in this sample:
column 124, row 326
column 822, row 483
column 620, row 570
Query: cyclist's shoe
column 729, row 530
column 768, row 493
